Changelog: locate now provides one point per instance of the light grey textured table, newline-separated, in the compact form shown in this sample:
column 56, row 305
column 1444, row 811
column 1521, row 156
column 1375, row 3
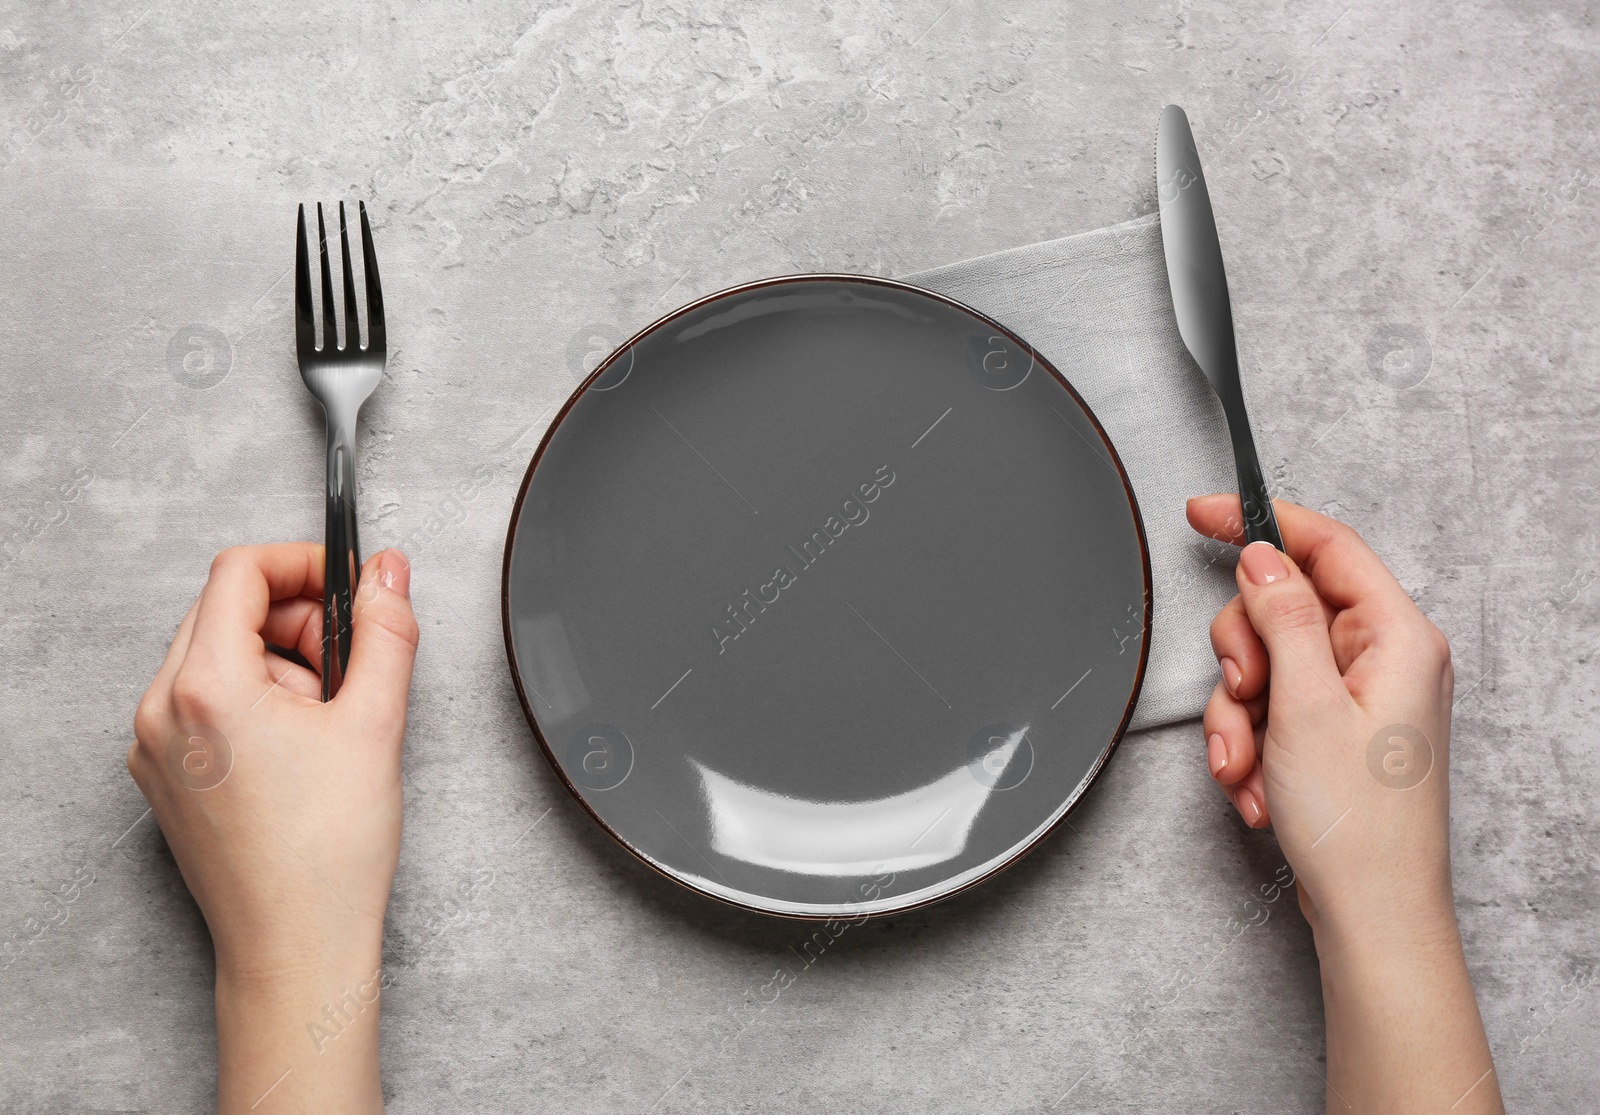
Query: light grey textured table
column 1407, row 196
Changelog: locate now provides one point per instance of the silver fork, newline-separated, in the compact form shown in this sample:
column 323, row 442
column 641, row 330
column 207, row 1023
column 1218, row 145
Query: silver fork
column 340, row 377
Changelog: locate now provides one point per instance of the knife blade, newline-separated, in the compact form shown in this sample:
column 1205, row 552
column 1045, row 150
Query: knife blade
column 1200, row 301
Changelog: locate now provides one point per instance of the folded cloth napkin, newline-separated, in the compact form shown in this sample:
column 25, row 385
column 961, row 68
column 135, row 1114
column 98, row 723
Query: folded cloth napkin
column 1097, row 307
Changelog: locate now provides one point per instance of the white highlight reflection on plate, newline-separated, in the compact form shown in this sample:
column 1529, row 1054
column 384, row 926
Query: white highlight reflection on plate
column 910, row 830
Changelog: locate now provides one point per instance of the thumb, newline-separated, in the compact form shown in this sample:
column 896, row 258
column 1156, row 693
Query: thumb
column 1287, row 613
column 383, row 640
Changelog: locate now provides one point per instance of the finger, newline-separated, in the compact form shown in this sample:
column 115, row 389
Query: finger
column 291, row 677
column 1232, row 749
column 1250, row 799
column 1216, row 517
column 244, row 582
column 383, row 641
column 179, row 647
column 1341, row 565
column 150, row 718
column 1239, row 651
column 1287, row 613
column 296, row 625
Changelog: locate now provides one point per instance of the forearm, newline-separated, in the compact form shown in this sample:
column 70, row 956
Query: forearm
column 1403, row 1029
column 301, row 1038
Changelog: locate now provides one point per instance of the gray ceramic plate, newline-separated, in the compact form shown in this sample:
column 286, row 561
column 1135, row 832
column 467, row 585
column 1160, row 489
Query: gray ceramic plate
column 825, row 597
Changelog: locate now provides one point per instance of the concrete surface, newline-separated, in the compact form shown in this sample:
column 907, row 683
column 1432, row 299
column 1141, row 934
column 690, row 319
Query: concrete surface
column 1406, row 193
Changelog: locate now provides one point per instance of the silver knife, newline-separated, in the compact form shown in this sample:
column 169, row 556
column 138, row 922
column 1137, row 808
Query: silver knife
column 1200, row 300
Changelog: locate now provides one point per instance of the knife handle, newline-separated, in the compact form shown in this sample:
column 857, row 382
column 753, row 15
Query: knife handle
column 1260, row 524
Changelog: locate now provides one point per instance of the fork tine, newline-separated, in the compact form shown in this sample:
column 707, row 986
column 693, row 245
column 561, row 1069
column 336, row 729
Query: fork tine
column 352, row 316
column 377, row 336
column 305, row 326
column 330, row 328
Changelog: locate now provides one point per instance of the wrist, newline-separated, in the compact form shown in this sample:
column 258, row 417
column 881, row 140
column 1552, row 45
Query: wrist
column 1403, row 1030
column 305, row 1027
column 294, row 966
column 1421, row 928
column 1399, row 963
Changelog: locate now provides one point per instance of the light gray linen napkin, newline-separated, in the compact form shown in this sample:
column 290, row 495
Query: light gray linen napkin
column 1098, row 308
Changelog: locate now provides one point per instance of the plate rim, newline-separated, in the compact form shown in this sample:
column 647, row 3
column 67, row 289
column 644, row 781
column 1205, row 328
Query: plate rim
column 1084, row 786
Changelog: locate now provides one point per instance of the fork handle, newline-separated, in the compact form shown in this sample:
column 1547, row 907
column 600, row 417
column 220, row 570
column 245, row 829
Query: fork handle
column 341, row 556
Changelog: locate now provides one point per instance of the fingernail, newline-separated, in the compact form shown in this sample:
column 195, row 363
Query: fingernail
column 1248, row 805
column 1263, row 564
column 1216, row 753
column 394, row 572
column 371, row 580
column 1231, row 675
